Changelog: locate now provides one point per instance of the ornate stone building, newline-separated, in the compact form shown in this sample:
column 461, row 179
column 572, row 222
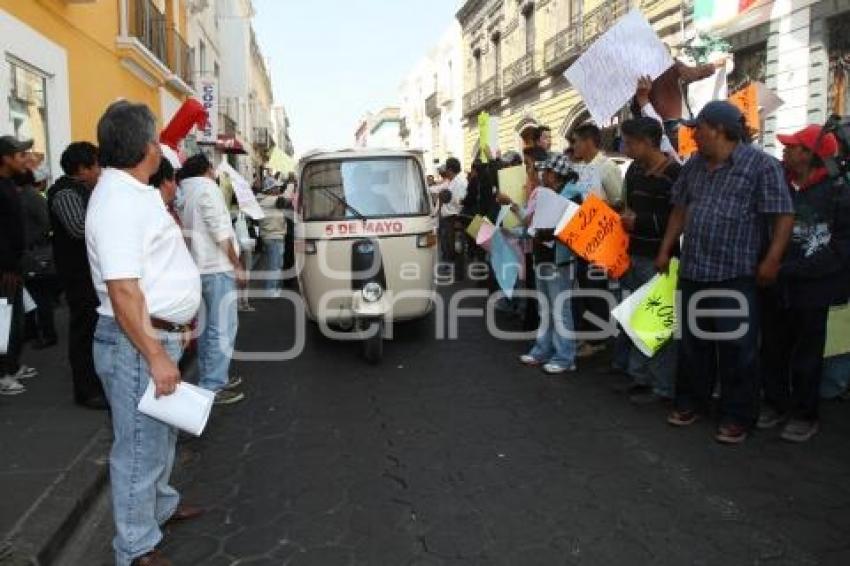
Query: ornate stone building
column 515, row 53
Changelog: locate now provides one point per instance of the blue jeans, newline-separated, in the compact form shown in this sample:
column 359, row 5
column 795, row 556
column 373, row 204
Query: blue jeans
column 218, row 335
column 142, row 453
column 274, row 250
column 659, row 371
column 553, row 344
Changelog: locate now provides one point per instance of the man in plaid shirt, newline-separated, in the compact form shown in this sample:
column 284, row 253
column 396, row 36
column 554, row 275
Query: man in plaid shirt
column 732, row 203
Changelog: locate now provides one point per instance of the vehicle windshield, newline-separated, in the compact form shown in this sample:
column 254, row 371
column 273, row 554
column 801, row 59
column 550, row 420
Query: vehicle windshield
column 337, row 190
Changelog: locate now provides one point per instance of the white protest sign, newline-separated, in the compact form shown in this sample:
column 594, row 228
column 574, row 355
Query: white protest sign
column 550, row 209
column 769, row 101
column 607, row 73
column 702, row 92
column 242, row 189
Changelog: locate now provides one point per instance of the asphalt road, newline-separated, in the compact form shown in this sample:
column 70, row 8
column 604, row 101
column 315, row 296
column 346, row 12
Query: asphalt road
column 451, row 453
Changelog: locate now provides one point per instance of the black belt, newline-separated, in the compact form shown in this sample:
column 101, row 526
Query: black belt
column 167, row 326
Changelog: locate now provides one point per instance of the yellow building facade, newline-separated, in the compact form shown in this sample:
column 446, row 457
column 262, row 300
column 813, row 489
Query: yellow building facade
column 65, row 61
column 515, row 53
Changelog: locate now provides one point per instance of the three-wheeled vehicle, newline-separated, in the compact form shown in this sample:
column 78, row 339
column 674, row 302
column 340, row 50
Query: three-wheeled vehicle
column 365, row 242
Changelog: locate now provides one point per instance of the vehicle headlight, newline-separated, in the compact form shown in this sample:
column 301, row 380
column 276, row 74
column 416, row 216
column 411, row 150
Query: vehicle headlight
column 372, row 292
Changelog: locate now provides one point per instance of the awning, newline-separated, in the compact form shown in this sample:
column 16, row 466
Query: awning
column 230, row 145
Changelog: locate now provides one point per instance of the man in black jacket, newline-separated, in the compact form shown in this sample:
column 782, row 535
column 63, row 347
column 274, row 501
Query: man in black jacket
column 813, row 276
column 67, row 200
column 12, row 164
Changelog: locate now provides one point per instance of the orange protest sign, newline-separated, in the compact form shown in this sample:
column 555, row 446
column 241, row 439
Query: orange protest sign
column 747, row 101
column 596, row 234
column 687, row 141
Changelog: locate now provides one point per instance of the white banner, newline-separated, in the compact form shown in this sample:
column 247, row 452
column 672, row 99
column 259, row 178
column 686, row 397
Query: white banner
column 242, row 189
column 209, row 98
column 607, row 73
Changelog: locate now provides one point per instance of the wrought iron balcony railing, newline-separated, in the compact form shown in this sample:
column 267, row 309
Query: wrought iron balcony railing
column 520, row 74
column 563, row 48
column 432, row 108
column 479, row 98
column 148, row 25
column 600, row 19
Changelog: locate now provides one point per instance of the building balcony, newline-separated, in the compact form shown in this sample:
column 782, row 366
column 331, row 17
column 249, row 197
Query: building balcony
column 432, row 108
column 182, row 58
column 148, row 25
column 150, row 49
column 600, row 19
column 262, row 138
column 479, row 98
column 521, row 74
column 562, row 49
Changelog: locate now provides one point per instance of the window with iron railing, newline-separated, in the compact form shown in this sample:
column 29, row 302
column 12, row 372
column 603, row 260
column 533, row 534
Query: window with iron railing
column 148, row 25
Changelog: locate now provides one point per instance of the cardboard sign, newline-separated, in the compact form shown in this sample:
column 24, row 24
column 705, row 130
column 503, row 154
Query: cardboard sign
column 687, row 142
column 596, row 234
column 747, row 101
column 654, row 320
column 606, row 73
column 512, row 183
column 648, row 316
column 837, row 332
column 483, row 135
column 475, row 226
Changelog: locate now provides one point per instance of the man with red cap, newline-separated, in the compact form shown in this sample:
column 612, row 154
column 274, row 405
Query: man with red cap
column 813, row 276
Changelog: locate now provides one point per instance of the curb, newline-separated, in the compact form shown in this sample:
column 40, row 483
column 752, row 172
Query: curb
column 41, row 533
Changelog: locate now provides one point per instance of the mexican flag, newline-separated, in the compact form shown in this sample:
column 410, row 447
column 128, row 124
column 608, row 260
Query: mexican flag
column 709, row 14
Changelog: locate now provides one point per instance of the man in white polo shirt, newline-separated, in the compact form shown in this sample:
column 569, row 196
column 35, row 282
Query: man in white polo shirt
column 207, row 225
column 149, row 290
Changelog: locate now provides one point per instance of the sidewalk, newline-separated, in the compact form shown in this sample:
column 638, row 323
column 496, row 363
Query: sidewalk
column 54, row 458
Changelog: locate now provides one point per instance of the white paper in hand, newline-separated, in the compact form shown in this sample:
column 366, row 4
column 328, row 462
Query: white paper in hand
column 188, row 408
column 550, row 209
column 5, row 325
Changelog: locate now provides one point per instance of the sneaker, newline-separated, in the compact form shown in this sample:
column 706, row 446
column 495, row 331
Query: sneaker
column 799, row 430
column 769, row 418
column 557, row 369
column 11, row 386
column 530, row 361
column 731, row 433
column 587, row 350
column 225, row 397
column 234, row 382
column 682, row 418
column 25, row 372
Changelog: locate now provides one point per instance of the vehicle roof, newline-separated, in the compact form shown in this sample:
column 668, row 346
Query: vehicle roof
column 321, row 155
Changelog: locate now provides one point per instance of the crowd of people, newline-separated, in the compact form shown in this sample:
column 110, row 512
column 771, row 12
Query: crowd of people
column 144, row 250
column 147, row 252
column 763, row 249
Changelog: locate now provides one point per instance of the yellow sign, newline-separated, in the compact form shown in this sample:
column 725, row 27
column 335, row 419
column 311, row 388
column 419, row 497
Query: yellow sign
column 654, row 319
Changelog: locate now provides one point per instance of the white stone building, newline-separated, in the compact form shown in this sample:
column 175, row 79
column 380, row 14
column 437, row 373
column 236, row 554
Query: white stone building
column 244, row 85
column 431, row 98
column 800, row 49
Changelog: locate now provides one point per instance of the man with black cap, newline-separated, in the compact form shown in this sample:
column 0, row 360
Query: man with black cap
column 726, row 200
column 13, row 162
column 813, row 277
